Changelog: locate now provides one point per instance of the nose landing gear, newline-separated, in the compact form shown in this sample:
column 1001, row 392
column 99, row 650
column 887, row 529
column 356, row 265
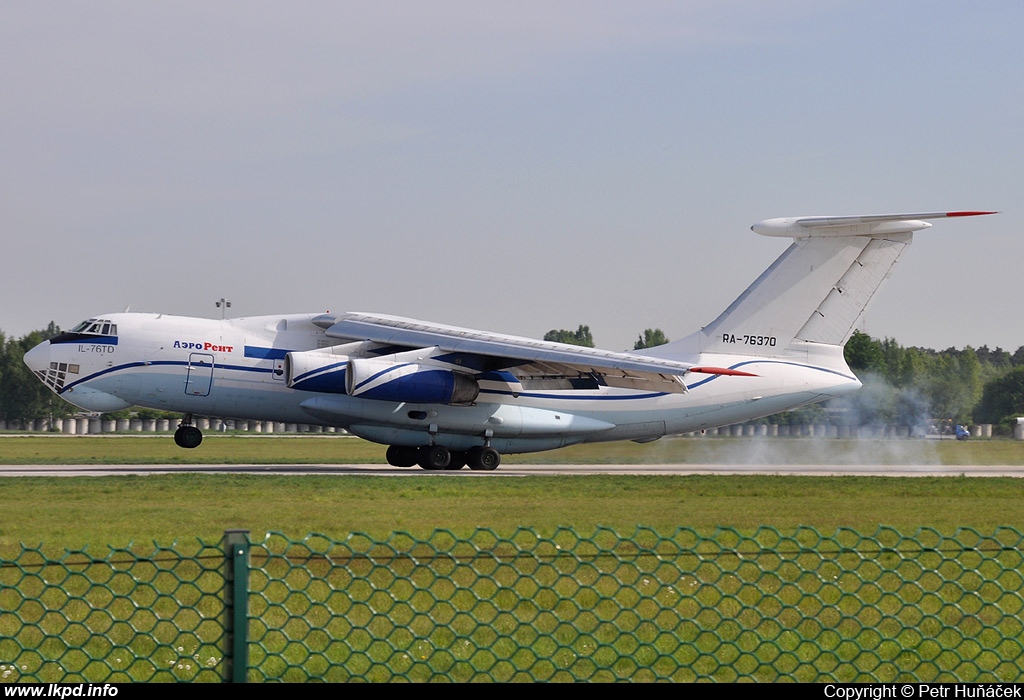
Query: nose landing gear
column 187, row 435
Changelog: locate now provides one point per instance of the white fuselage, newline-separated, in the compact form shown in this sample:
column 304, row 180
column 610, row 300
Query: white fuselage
column 236, row 368
column 442, row 396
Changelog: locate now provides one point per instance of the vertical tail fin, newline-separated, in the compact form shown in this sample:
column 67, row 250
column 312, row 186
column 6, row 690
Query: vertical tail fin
column 816, row 291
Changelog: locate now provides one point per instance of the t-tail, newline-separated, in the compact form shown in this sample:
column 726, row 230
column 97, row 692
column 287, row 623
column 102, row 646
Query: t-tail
column 814, row 294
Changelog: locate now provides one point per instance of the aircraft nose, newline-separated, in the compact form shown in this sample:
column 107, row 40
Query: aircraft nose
column 38, row 358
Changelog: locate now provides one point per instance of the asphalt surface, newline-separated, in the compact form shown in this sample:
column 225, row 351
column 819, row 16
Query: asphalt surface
column 518, row 470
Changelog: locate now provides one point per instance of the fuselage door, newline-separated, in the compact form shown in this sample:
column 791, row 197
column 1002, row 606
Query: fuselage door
column 200, row 374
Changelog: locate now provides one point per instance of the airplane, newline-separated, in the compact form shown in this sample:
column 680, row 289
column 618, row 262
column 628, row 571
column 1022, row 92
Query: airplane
column 444, row 397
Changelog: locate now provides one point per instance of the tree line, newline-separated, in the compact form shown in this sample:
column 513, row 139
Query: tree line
column 22, row 395
column 902, row 385
column 581, row 336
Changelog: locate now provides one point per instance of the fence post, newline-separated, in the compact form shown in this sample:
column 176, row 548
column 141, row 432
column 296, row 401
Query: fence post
column 236, row 605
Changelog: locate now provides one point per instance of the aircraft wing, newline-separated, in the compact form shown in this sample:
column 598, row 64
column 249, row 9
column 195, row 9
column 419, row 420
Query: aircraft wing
column 483, row 351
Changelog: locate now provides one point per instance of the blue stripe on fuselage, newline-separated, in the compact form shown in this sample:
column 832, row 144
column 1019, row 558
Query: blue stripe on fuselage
column 258, row 353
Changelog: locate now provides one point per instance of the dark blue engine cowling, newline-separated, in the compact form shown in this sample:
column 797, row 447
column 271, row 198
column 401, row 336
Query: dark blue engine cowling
column 383, row 380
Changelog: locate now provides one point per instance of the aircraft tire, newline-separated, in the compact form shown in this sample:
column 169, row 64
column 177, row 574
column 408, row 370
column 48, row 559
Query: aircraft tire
column 434, row 457
column 483, row 459
column 458, row 461
column 188, row 436
column 401, row 456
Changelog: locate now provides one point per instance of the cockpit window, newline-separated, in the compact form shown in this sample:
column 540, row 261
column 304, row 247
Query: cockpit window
column 96, row 326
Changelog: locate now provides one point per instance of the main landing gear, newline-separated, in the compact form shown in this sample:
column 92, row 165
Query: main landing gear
column 187, row 435
column 438, row 457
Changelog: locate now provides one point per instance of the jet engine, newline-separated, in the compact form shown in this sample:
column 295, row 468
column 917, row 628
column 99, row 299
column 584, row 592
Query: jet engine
column 316, row 370
column 409, row 382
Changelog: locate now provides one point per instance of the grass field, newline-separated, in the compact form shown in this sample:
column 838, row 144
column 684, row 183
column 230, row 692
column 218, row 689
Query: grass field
column 693, row 610
column 71, row 512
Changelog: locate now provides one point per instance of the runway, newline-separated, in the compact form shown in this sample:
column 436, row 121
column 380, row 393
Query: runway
column 519, row 470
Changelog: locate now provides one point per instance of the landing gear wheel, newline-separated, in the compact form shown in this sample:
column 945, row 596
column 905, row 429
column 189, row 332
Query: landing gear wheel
column 188, row 436
column 483, row 459
column 401, row 456
column 458, row 461
column 434, row 457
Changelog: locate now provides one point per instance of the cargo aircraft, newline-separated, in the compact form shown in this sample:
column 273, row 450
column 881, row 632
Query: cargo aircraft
column 445, row 397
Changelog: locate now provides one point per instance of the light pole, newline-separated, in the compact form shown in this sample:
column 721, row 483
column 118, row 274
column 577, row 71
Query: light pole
column 223, row 305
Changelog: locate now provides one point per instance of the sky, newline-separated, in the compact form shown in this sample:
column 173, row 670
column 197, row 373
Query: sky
column 510, row 166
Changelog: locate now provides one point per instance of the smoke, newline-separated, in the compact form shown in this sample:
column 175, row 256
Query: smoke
column 880, row 407
column 816, row 451
column 882, row 424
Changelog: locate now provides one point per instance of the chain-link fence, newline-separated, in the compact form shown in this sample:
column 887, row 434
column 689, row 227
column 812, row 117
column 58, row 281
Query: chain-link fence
column 724, row 605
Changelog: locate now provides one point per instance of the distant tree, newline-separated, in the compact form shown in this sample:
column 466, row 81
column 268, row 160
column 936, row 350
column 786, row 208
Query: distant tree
column 581, row 336
column 22, row 395
column 998, row 358
column 652, row 337
column 1002, row 399
column 952, row 384
column 864, row 353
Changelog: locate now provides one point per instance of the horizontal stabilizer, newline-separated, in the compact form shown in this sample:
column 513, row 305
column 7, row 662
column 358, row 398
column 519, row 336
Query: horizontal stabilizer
column 817, row 290
column 873, row 225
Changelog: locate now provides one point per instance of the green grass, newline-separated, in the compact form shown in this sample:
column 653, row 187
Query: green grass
column 724, row 589
column 71, row 512
column 75, row 511
column 243, row 449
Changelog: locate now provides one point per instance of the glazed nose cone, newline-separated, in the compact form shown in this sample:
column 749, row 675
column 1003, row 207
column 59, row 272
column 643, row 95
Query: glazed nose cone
column 38, row 358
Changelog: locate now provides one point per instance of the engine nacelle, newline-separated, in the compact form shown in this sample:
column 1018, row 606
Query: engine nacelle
column 409, row 382
column 316, row 370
